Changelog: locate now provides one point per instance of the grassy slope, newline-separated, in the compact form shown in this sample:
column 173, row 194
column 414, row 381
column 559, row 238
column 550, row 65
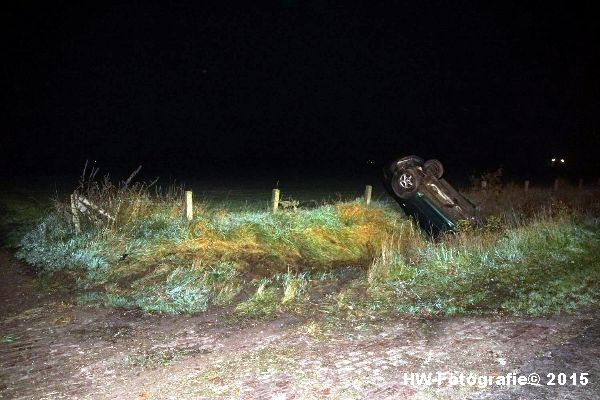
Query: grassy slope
column 162, row 263
column 521, row 262
column 548, row 265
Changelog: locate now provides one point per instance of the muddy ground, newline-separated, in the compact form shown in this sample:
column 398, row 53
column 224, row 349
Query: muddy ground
column 53, row 348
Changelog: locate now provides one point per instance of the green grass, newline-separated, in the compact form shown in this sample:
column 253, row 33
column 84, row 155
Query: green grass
column 151, row 257
column 537, row 257
column 549, row 265
column 285, row 292
column 18, row 214
column 262, row 303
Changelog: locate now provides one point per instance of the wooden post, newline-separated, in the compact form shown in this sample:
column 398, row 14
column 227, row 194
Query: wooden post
column 275, row 200
column 368, row 191
column 483, row 185
column 580, row 184
column 556, row 184
column 526, row 187
column 74, row 213
column 189, row 205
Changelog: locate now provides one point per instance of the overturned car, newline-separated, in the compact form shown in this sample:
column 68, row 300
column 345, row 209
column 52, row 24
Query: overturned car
column 418, row 187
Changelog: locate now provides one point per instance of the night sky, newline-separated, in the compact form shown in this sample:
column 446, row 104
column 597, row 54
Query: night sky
column 186, row 87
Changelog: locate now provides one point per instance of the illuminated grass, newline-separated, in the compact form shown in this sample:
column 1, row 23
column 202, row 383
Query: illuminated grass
column 550, row 265
column 285, row 292
column 261, row 264
column 263, row 303
column 165, row 264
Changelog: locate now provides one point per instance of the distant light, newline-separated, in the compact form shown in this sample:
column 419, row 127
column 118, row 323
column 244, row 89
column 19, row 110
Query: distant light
column 554, row 159
column 562, row 160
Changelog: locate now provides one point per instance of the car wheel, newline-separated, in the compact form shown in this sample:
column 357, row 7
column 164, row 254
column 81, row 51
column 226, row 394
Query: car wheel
column 434, row 168
column 405, row 183
column 407, row 162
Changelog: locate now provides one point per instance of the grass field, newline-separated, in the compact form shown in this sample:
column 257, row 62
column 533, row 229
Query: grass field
column 537, row 254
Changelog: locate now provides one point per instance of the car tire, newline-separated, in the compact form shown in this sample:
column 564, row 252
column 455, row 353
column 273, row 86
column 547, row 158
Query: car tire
column 407, row 162
column 405, row 183
column 433, row 168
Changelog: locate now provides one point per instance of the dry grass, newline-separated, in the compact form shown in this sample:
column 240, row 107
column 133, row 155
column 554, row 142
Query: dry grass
column 151, row 257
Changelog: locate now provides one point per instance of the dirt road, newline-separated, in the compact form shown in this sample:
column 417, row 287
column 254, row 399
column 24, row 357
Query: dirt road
column 53, row 348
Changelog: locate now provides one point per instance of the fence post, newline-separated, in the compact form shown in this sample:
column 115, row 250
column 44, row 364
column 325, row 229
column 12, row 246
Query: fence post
column 556, row 184
column 580, row 183
column 275, row 200
column 526, row 187
column 189, row 205
column 368, row 191
column 75, row 215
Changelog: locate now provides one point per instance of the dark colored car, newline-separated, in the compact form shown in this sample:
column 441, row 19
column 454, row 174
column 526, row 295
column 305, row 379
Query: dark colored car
column 418, row 187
